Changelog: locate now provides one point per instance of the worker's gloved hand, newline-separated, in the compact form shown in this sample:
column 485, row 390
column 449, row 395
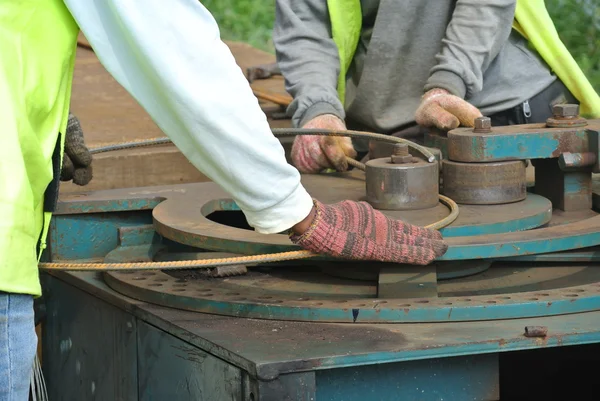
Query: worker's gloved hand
column 445, row 111
column 313, row 153
column 354, row 230
column 77, row 159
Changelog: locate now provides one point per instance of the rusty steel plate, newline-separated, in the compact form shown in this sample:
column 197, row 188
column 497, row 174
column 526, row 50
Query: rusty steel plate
column 182, row 217
column 303, row 293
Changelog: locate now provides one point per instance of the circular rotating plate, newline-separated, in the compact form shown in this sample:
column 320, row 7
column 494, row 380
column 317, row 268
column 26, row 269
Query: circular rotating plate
column 305, row 294
column 182, row 217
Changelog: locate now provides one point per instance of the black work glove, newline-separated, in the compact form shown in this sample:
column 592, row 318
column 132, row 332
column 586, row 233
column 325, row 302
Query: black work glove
column 77, row 159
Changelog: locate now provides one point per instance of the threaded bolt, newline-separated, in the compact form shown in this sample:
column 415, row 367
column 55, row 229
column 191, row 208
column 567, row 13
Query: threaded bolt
column 400, row 149
column 400, row 154
column 483, row 125
column 565, row 110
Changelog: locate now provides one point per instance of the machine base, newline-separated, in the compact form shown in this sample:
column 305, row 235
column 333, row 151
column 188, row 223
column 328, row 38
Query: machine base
column 101, row 345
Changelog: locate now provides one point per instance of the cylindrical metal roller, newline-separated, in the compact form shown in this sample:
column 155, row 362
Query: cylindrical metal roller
column 402, row 186
column 484, row 183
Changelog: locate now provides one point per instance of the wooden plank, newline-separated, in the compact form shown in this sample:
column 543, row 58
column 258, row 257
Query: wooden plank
column 109, row 115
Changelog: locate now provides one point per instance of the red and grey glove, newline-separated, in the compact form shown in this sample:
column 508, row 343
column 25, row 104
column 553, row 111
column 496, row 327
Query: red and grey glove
column 354, row 230
column 313, row 153
column 445, row 111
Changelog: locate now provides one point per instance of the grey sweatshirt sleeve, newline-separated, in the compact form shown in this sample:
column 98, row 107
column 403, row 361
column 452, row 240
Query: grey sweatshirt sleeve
column 475, row 35
column 308, row 58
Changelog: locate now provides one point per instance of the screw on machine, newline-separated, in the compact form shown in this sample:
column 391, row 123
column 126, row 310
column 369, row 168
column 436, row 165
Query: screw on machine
column 400, row 154
column 483, row 125
column 565, row 116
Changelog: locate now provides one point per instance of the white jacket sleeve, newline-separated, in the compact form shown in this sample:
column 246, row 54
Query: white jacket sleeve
column 168, row 55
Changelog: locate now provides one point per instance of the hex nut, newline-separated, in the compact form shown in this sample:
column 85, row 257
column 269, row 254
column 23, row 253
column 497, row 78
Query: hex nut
column 565, row 110
column 483, row 124
column 402, row 159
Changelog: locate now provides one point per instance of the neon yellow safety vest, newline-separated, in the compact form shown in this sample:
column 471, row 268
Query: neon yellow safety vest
column 38, row 39
column 531, row 20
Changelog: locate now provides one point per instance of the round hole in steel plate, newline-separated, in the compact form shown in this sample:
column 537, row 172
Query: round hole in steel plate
column 208, row 295
column 405, row 305
column 422, row 301
column 504, row 298
column 139, row 278
column 579, row 290
column 178, row 289
column 571, row 295
column 160, row 279
column 179, row 285
column 276, row 301
column 148, row 274
column 205, row 290
column 232, row 293
column 240, row 299
column 466, row 300
column 542, row 295
column 319, row 304
column 533, row 299
column 155, row 285
column 303, row 299
column 267, row 297
column 447, row 303
column 340, row 301
column 490, row 302
column 361, row 305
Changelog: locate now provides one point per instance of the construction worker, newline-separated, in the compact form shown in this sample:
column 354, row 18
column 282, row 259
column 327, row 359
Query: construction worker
column 169, row 56
column 399, row 67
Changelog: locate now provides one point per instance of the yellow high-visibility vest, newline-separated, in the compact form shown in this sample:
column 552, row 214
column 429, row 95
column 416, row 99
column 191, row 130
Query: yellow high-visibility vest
column 38, row 40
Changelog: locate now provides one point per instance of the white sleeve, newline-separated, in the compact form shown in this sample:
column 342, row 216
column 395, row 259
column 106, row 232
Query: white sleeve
column 168, row 55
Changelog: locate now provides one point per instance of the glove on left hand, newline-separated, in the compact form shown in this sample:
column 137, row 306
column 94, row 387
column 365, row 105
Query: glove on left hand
column 445, row 111
column 77, row 159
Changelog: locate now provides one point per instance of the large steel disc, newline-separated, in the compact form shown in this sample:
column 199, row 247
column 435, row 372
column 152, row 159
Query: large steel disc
column 183, row 216
column 304, row 293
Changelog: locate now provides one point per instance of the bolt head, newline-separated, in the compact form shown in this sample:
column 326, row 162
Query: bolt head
column 568, row 159
column 483, row 124
column 565, row 110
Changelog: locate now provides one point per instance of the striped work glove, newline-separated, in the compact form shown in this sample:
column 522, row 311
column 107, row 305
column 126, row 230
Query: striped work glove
column 77, row 159
column 354, row 230
column 445, row 111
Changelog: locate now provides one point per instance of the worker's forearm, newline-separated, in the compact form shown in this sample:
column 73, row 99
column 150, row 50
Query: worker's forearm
column 308, row 58
column 169, row 56
column 474, row 37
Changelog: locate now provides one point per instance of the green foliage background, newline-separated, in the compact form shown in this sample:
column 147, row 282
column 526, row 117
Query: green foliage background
column 577, row 21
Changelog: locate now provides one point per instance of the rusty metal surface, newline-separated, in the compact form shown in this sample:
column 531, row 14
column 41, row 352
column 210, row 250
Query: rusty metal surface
column 182, row 216
column 443, row 270
column 267, row 349
column 568, row 161
column 406, row 282
column 536, row 331
column 569, row 190
column 531, row 141
column 566, row 116
column 304, row 293
column 402, row 186
column 484, row 183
